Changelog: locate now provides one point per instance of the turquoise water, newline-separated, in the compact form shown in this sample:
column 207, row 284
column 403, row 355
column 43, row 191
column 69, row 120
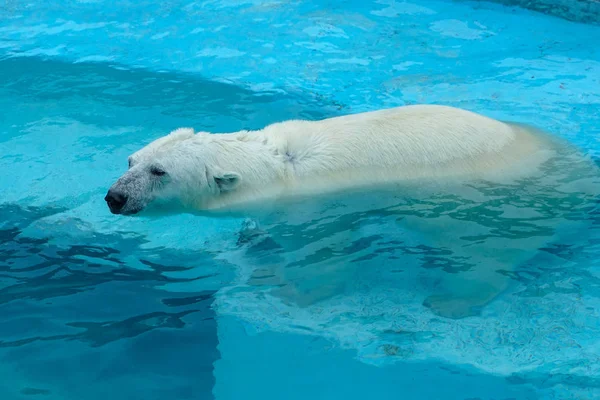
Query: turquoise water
column 94, row 305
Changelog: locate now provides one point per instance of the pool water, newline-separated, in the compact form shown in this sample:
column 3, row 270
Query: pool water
column 184, row 307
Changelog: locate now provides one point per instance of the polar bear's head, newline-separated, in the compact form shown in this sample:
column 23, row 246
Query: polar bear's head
column 176, row 169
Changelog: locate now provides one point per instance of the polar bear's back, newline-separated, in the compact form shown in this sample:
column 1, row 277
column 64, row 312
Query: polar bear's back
column 415, row 135
column 403, row 142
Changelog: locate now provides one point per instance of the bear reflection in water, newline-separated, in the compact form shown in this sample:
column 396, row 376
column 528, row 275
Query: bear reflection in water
column 460, row 243
column 450, row 199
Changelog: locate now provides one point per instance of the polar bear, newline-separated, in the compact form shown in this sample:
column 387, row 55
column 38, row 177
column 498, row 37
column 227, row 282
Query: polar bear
column 300, row 170
column 205, row 171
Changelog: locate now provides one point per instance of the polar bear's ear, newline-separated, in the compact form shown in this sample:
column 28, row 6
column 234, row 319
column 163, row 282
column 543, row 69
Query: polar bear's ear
column 227, row 181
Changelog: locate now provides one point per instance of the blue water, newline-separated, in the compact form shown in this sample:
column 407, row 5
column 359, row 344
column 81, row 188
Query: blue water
column 95, row 306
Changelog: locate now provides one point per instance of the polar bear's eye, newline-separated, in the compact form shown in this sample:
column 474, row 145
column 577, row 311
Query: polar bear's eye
column 157, row 171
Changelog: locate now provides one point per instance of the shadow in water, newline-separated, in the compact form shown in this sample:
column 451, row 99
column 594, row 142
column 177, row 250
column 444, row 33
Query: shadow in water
column 60, row 302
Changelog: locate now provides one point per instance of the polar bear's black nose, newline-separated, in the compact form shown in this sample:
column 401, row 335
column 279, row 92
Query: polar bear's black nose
column 115, row 201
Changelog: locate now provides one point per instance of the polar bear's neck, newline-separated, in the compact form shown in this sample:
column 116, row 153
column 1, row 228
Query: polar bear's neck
column 262, row 169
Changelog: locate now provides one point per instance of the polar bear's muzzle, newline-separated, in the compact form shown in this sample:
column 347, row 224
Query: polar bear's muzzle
column 120, row 202
column 129, row 195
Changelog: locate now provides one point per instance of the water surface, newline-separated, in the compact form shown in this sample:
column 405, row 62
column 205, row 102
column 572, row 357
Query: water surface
column 95, row 305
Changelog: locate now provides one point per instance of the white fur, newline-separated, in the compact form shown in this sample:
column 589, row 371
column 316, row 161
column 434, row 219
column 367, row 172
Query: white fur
column 392, row 145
